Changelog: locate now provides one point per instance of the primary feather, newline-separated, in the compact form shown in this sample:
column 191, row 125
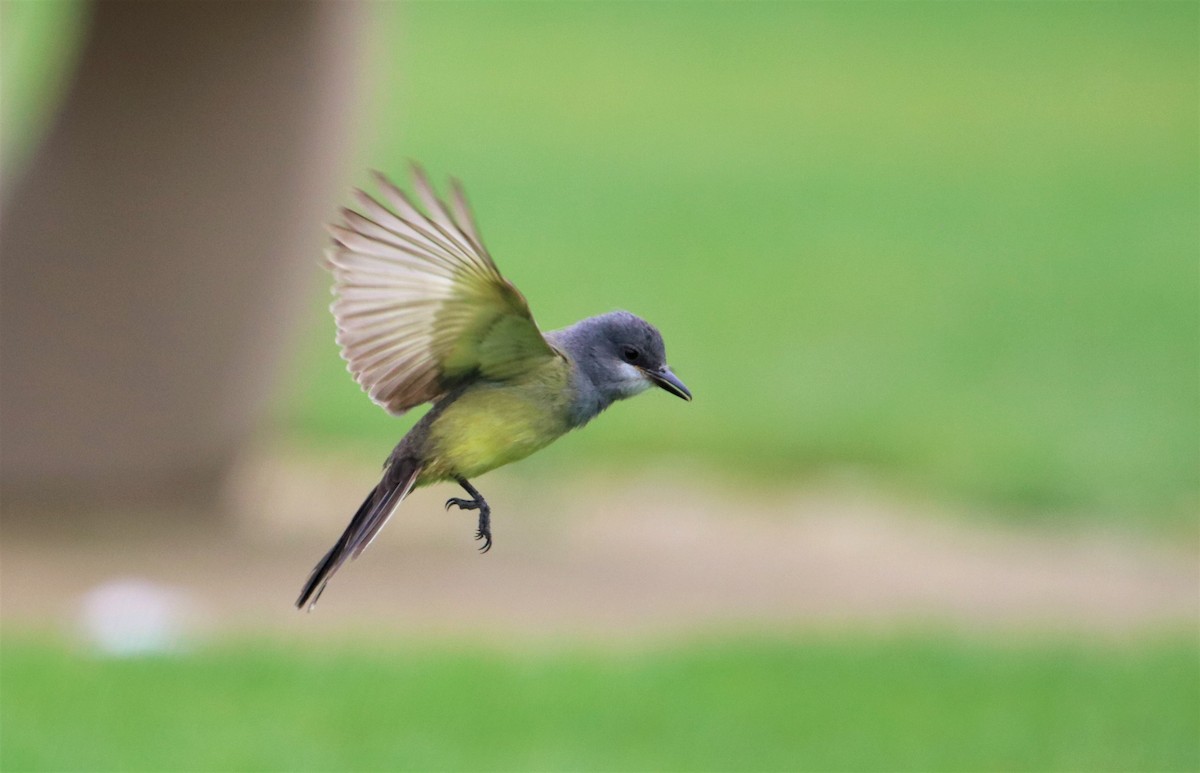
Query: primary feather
column 420, row 305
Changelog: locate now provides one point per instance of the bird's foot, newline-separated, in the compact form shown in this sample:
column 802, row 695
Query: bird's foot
column 477, row 502
column 484, row 533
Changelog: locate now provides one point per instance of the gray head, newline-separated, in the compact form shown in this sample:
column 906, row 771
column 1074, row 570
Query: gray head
column 618, row 355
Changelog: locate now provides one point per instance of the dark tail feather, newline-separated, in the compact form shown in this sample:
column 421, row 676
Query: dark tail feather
column 374, row 512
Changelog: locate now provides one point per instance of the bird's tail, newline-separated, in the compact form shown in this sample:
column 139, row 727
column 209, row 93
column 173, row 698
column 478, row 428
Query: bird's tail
column 398, row 481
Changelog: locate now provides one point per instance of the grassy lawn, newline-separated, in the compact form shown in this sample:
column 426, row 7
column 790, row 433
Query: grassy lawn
column 840, row 703
column 949, row 246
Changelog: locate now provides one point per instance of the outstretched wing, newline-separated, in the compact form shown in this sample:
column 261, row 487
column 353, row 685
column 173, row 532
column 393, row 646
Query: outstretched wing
column 420, row 305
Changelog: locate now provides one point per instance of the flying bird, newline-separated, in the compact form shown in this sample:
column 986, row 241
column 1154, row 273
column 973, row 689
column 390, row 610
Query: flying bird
column 424, row 316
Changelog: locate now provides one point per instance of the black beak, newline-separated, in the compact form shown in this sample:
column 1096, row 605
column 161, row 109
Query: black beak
column 669, row 381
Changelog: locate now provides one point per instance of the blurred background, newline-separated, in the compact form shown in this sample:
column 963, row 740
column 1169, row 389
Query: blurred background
column 930, row 269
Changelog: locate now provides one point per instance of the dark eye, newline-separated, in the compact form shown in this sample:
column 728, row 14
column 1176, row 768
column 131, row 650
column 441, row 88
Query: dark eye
column 630, row 354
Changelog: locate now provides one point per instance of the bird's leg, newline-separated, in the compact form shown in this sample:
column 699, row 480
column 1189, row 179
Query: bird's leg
column 477, row 502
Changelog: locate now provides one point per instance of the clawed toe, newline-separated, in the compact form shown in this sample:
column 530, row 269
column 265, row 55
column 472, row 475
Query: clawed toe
column 475, row 503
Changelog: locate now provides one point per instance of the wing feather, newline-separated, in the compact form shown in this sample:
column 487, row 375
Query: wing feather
column 420, row 305
column 461, row 212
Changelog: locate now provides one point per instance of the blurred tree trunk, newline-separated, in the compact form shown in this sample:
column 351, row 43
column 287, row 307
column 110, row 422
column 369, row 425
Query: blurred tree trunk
column 159, row 246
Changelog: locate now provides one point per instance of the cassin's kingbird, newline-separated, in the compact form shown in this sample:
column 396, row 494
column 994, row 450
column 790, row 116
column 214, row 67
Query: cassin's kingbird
column 423, row 315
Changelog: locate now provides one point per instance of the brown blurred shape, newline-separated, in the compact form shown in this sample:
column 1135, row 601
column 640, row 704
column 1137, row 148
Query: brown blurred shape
column 160, row 244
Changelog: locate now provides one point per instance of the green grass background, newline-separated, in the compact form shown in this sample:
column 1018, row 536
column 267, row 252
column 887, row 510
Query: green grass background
column 950, row 247
column 835, row 703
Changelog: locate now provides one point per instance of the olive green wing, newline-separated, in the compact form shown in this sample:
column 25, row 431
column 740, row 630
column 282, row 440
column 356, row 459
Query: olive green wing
column 420, row 305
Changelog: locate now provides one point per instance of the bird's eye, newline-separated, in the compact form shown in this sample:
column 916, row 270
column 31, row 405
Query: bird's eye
column 630, row 354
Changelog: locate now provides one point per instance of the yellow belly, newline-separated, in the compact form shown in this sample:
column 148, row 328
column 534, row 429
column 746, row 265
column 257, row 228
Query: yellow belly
column 493, row 424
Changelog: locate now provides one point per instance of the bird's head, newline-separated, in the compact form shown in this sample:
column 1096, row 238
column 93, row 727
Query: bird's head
column 623, row 355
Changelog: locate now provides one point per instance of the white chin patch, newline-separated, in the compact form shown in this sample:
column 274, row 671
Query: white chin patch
column 633, row 381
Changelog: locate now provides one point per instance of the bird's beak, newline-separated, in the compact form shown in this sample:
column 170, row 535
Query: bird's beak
column 669, row 381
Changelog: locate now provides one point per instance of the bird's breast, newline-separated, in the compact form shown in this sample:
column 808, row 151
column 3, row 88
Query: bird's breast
column 495, row 423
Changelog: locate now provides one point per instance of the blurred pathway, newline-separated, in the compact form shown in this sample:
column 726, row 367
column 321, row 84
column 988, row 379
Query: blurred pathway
column 593, row 559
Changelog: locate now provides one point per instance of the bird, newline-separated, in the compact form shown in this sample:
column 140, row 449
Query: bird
column 423, row 315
